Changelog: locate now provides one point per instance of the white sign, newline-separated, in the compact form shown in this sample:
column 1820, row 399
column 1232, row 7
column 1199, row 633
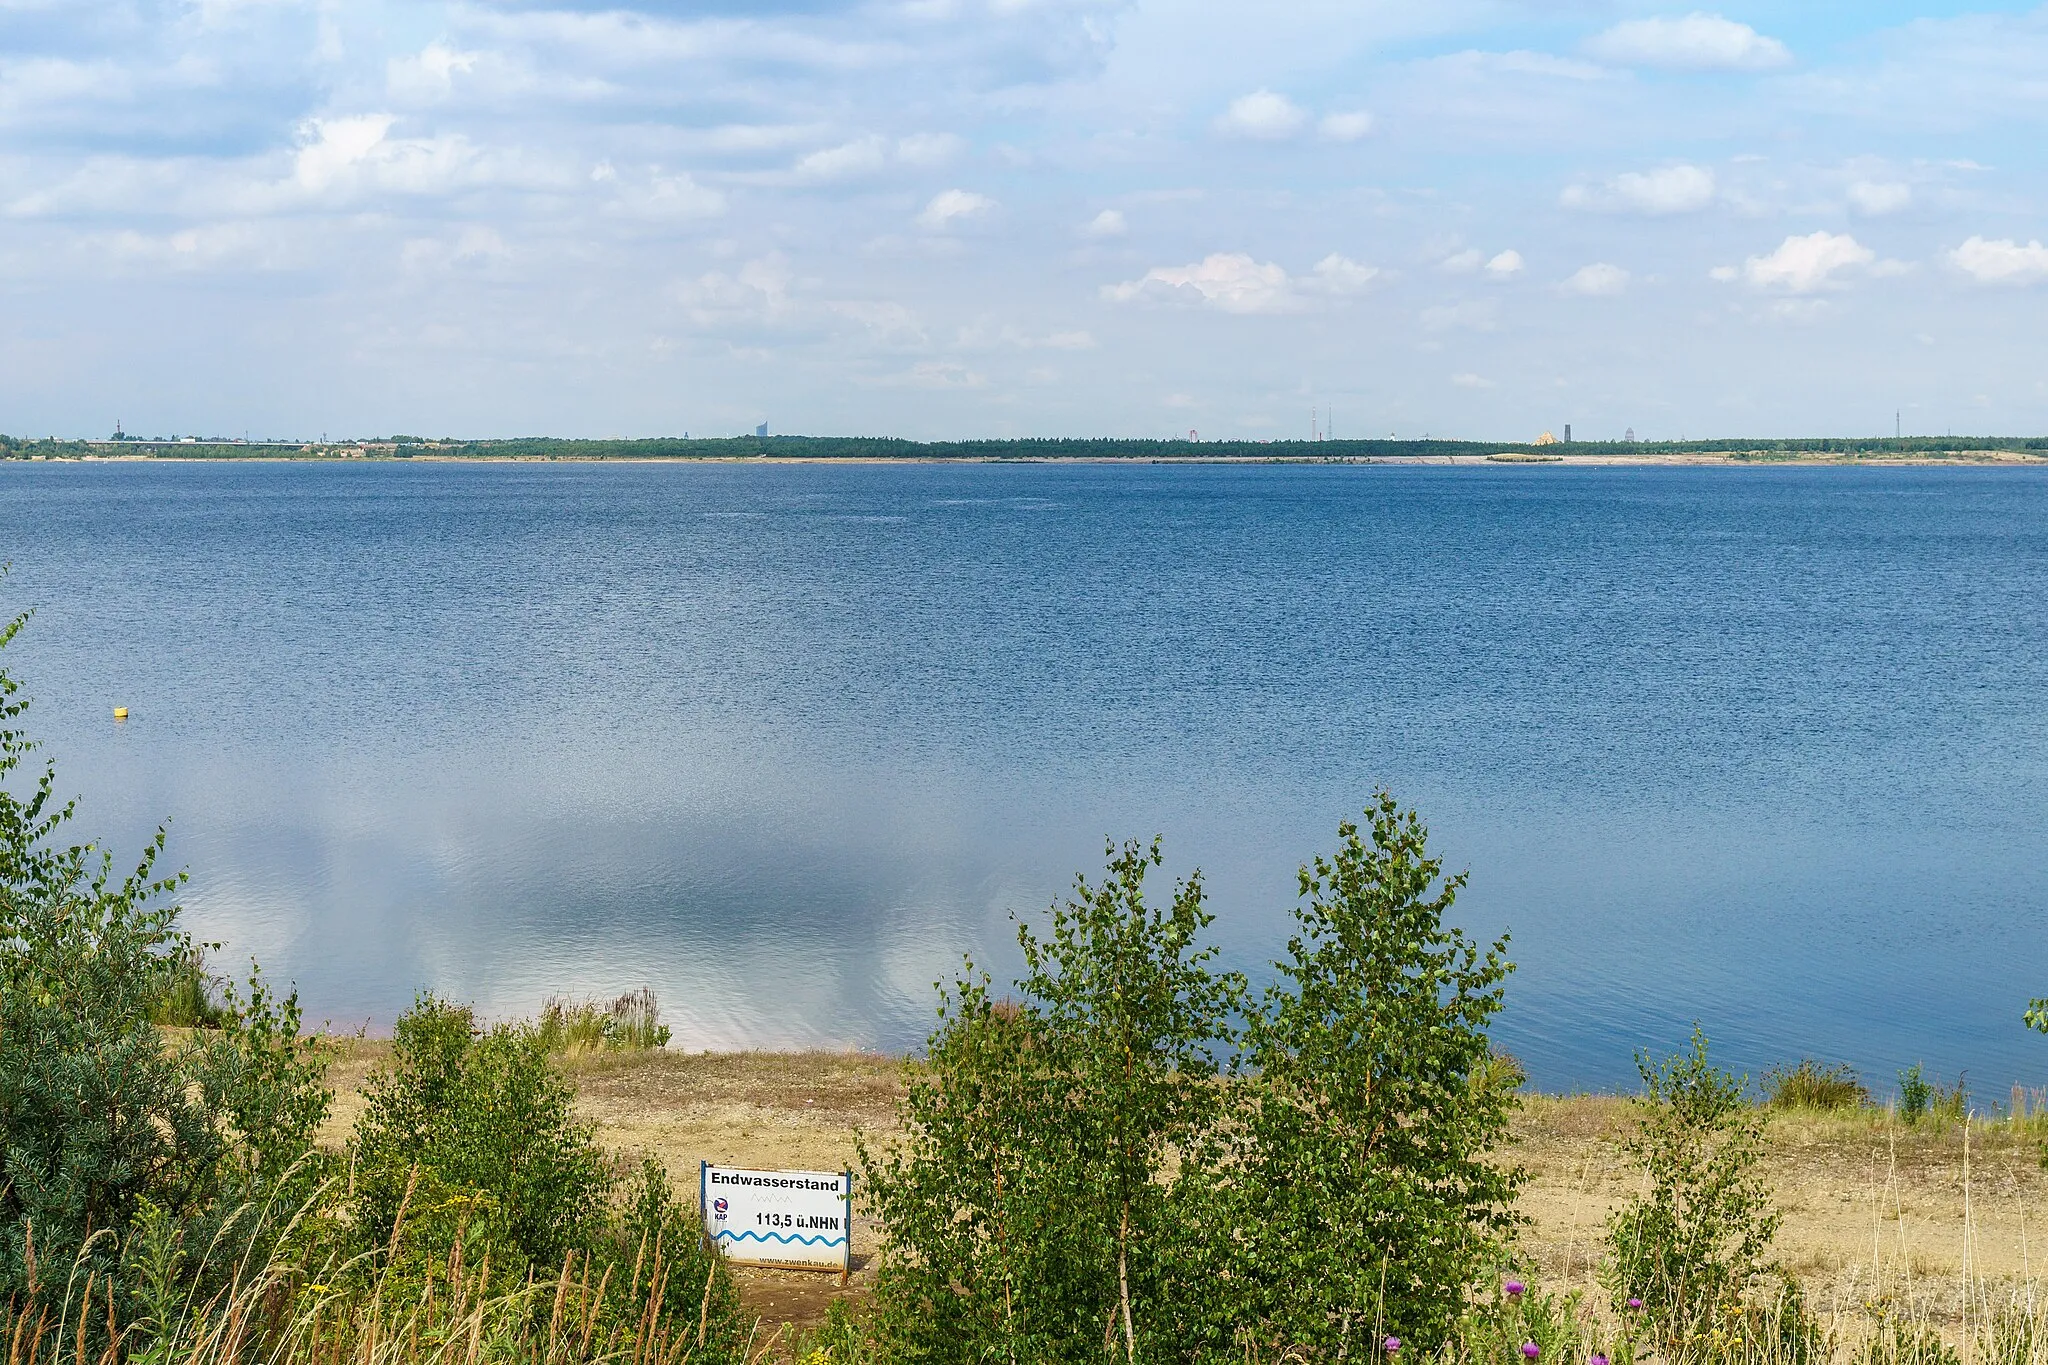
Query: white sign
column 780, row 1218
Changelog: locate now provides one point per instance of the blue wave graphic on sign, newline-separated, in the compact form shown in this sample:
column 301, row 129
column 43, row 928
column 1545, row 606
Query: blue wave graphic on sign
column 786, row 1240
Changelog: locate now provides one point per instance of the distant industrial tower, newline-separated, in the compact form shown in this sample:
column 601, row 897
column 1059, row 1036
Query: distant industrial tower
column 1567, row 433
column 1630, row 436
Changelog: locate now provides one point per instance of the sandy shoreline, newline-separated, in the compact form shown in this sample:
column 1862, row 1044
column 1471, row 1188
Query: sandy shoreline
column 1871, row 1206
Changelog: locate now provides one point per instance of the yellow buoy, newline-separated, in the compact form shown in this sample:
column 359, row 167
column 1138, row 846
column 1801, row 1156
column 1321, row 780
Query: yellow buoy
column 120, row 713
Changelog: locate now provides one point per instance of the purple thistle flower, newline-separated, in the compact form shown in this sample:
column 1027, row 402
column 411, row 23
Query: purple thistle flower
column 1515, row 1287
column 1597, row 1358
column 1393, row 1344
column 1634, row 1305
column 1530, row 1350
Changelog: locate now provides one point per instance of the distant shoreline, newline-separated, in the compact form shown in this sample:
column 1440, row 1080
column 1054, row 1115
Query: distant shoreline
column 1662, row 460
column 1814, row 450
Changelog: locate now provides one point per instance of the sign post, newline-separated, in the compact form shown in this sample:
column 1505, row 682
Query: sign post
column 793, row 1220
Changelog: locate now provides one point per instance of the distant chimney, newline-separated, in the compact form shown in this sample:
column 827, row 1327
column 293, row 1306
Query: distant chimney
column 1567, row 433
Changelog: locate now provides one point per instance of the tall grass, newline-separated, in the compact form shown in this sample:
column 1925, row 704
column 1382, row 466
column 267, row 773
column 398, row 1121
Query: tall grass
column 375, row 1308
column 1813, row 1085
column 629, row 1023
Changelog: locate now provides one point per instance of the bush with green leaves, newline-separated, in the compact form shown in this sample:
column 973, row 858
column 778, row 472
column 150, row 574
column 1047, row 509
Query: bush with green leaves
column 1132, row 1157
column 1916, row 1093
column 468, row 1154
column 1036, row 1209
column 1690, row 1247
column 473, row 1127
column 1364, row 1152
column 102, row 1114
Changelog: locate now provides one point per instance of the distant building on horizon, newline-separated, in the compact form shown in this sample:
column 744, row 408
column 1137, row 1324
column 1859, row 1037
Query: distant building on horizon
column 761, row 430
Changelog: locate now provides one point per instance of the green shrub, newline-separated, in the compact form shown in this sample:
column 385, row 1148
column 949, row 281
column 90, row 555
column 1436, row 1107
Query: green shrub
column 1915, row 1094
column 1500, row 1322
column 843, row 1338
column 103, row 1116
column 1106, row 1166
column 1034, row 1208
column 1376, row 1104
column 1691, row 1246
column 471, row 1131
column 1812, row 1085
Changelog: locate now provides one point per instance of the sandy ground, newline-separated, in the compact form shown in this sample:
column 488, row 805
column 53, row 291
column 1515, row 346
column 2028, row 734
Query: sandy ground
column 1871, row 1207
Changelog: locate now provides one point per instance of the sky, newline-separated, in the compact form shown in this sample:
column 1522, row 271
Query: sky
column 985, row 218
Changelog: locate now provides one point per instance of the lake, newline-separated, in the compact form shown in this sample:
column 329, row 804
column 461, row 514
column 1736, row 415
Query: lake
column 1762, row 748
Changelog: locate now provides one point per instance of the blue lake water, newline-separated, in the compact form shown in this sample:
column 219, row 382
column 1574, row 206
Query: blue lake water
column 1763, row 748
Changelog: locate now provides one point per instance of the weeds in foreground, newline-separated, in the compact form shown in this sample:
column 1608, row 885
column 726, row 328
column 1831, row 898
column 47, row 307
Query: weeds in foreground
column 385, row 1306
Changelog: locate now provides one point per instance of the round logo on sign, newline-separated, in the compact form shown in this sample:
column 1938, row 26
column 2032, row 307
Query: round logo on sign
column 718, row 1206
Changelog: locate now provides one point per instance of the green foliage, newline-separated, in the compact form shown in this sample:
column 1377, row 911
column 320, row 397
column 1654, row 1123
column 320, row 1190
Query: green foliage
column 1034, row 1210
column 2014, row 1335
column 1812, row 1085
column 843, row 1338
column 1497, row 1324
column 1915, row 1094
column 471, row 1131
column 1106, row 1165
column 104, row 1118
column 630, row 1023
column 189, row 998
column 1692, row 1245
column 1903, row 1341
column 1369, row 1199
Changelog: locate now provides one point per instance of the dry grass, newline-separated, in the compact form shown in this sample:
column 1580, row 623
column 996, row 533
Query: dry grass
column 1873, row 1209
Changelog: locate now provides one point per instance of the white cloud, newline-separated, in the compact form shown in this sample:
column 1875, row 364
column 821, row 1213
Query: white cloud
column 1696, row 42
column 1469, row 380
column 1346, row 127
column 951, row 206
column 2001, row 262
column 1464, row 262
column 1599, row 280
column 758, row 293
column 429, row 74
column 1108, row 223
column 1505, row 266
column 1669, row 189
column 1803, row 265
column 1231, row 281
column 1336, row 274
column 1262, row 114
column 660, row 196
column 356, row 154
column 330, row 147
column 864, row 156
column 1876, row 198
column 929, row 149
column 1235, row 283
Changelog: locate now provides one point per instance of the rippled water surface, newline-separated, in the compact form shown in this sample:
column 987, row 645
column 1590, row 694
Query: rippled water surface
column 1763, row 748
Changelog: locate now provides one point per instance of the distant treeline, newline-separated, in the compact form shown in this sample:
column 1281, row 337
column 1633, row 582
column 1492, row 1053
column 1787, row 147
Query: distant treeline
column 1043, row 448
